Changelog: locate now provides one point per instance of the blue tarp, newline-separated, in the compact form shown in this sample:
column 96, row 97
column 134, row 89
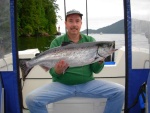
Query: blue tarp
column 134, row 77
column 11, row 78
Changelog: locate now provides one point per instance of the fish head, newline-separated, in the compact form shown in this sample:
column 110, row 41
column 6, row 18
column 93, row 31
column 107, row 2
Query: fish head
column 106, row 49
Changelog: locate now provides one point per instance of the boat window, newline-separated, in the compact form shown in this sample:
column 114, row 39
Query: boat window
column 140, row 14
column 5, row 37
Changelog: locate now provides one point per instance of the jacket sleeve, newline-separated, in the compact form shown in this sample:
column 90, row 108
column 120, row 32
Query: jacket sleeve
column 97, row 67
column 54, row 43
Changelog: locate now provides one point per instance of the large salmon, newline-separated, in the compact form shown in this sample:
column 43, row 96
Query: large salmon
column 74, row 54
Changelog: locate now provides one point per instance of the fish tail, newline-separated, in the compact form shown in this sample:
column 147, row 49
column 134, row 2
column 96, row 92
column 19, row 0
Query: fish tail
column 25, row 69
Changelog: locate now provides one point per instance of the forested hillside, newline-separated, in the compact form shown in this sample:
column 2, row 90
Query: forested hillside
column 114, row 28
column 36, row 17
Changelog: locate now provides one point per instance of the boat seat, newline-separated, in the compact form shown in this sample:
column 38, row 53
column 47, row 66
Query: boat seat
column 78, row 105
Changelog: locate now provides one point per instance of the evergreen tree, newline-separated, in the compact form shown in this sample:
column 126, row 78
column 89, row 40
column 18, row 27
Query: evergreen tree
column 50, row 14
column 36, row 17
column 42, row 21
column 28, row 16
column 19, row 6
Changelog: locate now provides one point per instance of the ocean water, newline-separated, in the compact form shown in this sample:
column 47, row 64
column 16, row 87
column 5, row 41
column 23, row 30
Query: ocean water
column 138, row 40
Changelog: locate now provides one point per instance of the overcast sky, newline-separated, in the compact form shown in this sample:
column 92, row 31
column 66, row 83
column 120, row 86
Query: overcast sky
column 102, row 12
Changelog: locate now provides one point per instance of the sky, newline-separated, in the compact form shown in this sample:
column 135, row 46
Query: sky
column 101, row 13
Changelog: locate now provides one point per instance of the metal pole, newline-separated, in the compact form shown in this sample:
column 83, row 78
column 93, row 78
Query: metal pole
column 65, row 11
column 127, row 14
column 86, row 17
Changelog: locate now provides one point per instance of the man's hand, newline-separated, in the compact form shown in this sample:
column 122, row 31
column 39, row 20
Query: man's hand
column 61, row 67
column 101, row 61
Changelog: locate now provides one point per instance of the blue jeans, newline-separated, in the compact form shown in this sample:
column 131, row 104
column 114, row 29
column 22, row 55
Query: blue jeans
column 38, row 99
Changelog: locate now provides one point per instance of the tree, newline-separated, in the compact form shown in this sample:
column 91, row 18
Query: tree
column 36, row 16
column 50, row 13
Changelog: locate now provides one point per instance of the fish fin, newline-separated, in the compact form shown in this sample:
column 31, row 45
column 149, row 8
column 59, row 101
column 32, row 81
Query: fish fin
column 66, row 43
column 24, row 69
column 96, row 59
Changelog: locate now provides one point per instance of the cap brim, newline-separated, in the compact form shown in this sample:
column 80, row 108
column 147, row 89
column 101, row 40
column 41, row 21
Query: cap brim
column 74, row 13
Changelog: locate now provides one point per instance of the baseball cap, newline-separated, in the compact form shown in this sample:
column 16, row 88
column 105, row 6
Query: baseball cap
column 74, row 12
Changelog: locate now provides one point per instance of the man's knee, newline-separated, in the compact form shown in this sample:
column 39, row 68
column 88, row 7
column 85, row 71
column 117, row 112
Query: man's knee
column 121, row 91
column 30, row 99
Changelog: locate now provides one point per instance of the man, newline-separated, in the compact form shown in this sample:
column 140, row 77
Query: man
column 77, row 81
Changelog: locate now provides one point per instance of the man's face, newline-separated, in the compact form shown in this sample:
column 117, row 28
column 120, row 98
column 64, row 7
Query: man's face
column 73, row 24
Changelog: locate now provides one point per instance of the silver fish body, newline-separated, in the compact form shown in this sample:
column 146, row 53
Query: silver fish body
column 74, row 54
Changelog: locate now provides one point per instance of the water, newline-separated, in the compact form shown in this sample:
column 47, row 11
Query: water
column 42, row 43
column 138, row 40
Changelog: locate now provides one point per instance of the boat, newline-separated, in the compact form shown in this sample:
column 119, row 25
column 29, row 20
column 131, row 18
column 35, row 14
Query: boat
column 58, row 31
column 101, row 33
column 38, row 77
